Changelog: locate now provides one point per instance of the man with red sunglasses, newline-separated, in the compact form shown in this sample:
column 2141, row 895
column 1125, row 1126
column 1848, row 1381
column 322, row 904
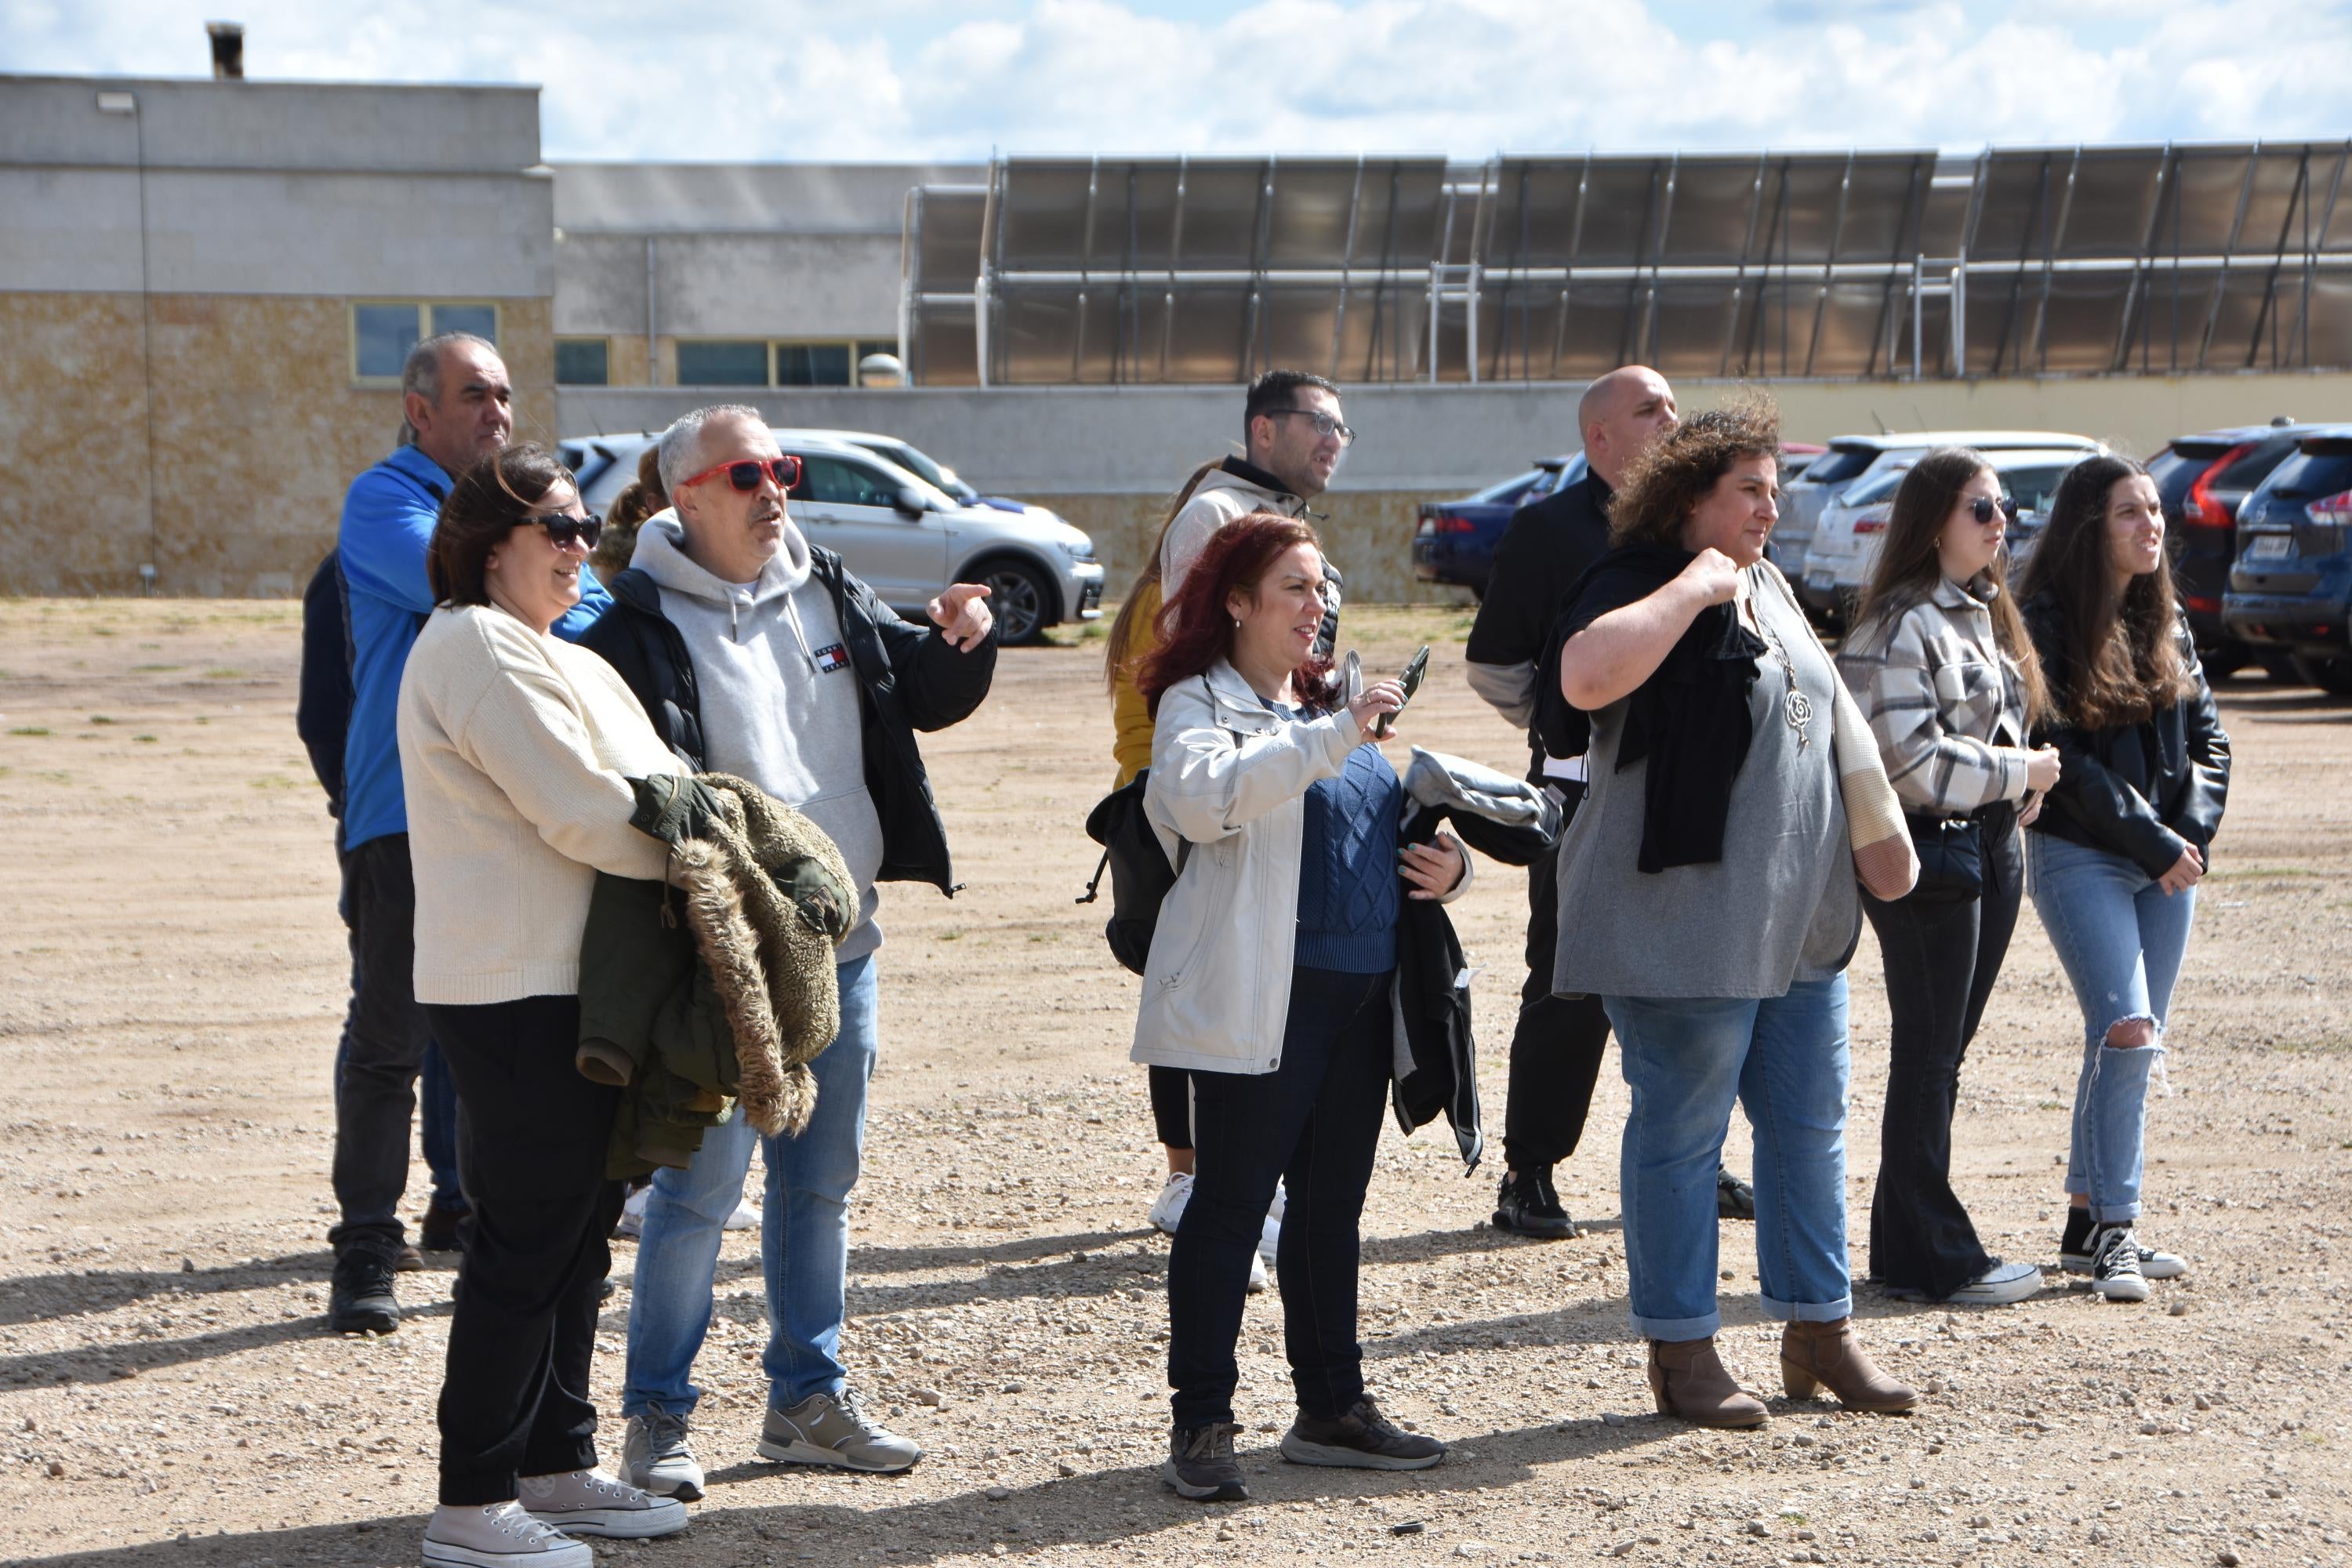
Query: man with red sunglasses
column 757, row 654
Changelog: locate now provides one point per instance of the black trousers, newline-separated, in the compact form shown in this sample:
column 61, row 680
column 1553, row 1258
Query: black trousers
column 1171, row 1106
column 514, row 1398
column 1315, row 1123
column 1941, row 963
column 384, row 1039
column 1556, row 1046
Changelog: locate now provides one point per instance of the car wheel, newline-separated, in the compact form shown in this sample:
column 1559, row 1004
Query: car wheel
column 2279, row 664
column 2331, row 673
column 2224, row 660
column 1020, row 598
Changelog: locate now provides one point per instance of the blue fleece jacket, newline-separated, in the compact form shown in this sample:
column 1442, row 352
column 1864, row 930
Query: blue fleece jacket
column 388, row 517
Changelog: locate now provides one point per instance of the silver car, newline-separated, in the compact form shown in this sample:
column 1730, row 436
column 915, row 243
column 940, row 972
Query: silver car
column 903, row 536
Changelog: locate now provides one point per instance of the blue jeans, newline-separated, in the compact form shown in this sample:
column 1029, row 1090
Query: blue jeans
column 1686, row 1059
column 2120, row 938
column 804, row 1233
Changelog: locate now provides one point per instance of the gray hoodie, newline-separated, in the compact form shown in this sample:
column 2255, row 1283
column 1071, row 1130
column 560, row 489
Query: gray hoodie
column 779, row 698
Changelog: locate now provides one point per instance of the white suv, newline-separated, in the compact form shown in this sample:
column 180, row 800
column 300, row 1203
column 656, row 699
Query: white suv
column 902, row 535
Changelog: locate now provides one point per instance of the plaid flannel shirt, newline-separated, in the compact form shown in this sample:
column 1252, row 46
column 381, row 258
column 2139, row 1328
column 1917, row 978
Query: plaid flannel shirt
column 1946, row 706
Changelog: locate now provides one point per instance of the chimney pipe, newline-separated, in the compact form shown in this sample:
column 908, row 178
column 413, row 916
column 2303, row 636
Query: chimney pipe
column 228, row 51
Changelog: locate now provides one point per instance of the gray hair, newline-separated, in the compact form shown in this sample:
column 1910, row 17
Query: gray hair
column 681, row 443
column 420, row 372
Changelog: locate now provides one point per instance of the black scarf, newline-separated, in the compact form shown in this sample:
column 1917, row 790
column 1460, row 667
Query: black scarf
column 1690, row 718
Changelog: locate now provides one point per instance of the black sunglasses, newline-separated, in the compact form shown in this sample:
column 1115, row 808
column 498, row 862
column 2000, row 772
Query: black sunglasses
column 1981, row 509
column 561, row 530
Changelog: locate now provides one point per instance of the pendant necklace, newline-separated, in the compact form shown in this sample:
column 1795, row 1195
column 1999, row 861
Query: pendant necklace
column 1796, row 708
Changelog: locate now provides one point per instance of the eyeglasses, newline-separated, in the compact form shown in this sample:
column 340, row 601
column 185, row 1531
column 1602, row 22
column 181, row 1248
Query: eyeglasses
column 745, row 473
column 562, row 530
column 1324, row 423
column 1982, row 507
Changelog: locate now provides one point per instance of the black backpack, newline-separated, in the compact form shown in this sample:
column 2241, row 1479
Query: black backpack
column 1140, row 875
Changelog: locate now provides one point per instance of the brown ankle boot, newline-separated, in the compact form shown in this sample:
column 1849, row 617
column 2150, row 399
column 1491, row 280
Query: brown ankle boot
column 1688, row 1380
column 1814, row 1354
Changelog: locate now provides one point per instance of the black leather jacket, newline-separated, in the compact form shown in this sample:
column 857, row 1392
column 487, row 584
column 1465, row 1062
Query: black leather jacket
column 2141, row 791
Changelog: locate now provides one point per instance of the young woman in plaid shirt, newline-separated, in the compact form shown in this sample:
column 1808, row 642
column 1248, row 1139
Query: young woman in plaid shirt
column 1941, row 663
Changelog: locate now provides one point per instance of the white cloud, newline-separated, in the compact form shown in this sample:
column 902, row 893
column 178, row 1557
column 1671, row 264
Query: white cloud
column 925, row 79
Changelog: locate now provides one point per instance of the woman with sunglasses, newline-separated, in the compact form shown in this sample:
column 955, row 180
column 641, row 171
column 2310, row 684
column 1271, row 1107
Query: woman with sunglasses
column 1940, row 662
column 516, row 752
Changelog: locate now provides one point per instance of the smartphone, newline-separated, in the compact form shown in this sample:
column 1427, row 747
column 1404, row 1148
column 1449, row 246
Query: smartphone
column 1411, row 680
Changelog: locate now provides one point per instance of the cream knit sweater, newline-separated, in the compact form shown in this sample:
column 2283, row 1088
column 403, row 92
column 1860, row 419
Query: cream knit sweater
column 515, row 751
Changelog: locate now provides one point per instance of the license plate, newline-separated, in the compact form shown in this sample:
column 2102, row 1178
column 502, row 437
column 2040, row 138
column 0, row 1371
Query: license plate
column 2268, row 546
column 1822, row 580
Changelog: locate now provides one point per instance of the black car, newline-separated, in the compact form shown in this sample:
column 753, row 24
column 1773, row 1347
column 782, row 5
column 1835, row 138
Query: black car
column 2290, row 590
column 2202, row 482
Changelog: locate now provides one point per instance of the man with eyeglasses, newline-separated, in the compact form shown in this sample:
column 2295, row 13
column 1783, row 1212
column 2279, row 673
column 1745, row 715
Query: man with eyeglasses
column 757, row 654
column 1557, row 1047
column 457, row 403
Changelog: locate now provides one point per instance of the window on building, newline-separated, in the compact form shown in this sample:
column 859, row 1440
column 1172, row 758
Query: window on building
column 814, row 365
column 722, row 362
column 583, row 361
column 382, row 332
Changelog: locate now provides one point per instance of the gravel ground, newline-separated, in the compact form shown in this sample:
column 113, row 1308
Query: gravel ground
column 175, row 975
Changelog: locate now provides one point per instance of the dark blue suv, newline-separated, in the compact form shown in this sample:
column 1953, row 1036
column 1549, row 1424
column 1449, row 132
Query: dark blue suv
column 2202, row 481
column 2292, row 586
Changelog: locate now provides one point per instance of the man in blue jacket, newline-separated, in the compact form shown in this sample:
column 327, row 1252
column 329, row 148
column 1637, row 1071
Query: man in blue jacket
column 458, row 404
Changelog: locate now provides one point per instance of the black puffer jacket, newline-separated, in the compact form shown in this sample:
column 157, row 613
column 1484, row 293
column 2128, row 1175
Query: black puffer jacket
column 908, row 678
column 2141, row 791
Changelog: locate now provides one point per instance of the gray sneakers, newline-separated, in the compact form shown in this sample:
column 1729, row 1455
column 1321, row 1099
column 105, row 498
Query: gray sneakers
column 590, row 1502
column 498, row 1535
column 655, row 1456
column 828, row 1430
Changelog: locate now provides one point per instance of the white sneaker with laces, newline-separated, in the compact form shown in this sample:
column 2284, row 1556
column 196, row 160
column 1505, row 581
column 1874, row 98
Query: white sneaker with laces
column 2115, row 1264
column 498, row 1535
column 1167, row 1209
column 632, row 1222
column 1998, row 1285
column 745, row 1217
column 590, row 1502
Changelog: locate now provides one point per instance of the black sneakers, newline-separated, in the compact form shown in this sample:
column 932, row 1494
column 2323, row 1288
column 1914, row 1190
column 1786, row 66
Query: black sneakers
column 1734, row 1199
column 1362, row 1440
column 362, row 1300
column 1526, row 1205
column 1202, row 1466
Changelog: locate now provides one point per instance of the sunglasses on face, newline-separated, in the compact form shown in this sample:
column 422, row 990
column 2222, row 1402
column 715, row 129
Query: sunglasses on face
column 562, row 530
column 1982, row 507
column 745, row 473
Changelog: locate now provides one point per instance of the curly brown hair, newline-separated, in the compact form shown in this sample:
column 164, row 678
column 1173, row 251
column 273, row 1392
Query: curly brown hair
column 1667, row 482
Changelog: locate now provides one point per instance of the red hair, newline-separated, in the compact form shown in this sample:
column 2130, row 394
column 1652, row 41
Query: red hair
column 1194, row 629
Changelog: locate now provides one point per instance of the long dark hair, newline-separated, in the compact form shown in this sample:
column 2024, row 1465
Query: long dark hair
column 1194, row 629
column 2118, row 661
column 638, row 500
column 1669, row 479
column 1120, row 647
column 1910, row 565
column 483, row 507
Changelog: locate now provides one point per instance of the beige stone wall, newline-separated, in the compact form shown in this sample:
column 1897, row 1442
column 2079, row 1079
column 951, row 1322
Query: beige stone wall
column 1367, row 534
column 259, row 430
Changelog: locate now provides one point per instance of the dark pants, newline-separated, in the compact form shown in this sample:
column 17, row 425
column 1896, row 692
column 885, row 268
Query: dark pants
column 1555, row 1048
column 383, row 1046
column 1941, row 963
column 1171, row 1107
column 514, row 1398
column 1315, row 1123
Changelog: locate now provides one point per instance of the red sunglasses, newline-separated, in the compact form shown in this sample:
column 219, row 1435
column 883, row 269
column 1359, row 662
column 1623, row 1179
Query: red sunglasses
column 745, row 473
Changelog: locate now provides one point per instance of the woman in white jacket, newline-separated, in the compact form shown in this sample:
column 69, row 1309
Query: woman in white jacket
column 1269, row 979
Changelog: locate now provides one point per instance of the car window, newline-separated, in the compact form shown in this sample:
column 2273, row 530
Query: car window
column 1839, row 464
column 844, row 483
column 2031, row 489
column 2253, row 468
column 1510, row 490
column 911, row 460
column 2308, row 476
column 1877, row 488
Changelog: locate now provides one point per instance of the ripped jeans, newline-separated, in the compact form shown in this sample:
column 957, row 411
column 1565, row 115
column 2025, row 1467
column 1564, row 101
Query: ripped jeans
column 2120, row 938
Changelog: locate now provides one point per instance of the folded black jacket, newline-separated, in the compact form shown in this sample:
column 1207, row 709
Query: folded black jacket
column 2141, row 791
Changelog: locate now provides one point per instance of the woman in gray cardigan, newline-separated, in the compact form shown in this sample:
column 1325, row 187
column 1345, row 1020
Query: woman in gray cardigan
column 1707, row 896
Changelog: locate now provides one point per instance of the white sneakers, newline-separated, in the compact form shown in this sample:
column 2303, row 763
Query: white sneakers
column 498, row 1535
column 1168, row 1213
column 1167, row 1209
column 591, row 1502
column 1998, row 1285
column 632, row 1214
column 2117, row 1270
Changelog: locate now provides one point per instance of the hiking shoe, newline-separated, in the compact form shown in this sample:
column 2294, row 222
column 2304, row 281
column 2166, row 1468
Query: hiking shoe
column 407, row 1260
column 361, row 1301
column 655, row 1456
column 1167, row 1209
column 1998, row 1285
column 2115, row 1264
column 632, row 1222
column 1734, row 1199
column 590, row 1502
column 1526, row 1204
column 2074, row 1251
column 498, row 1535
column 830, row 1429
column 1200, row 1464
column 438, row 1231
column 1362, row 1440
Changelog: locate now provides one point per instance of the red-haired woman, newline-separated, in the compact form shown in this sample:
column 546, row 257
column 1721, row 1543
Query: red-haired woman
column 1269, row 980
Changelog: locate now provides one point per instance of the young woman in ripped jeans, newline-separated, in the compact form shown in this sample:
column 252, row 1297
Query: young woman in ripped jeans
column 2114, row 858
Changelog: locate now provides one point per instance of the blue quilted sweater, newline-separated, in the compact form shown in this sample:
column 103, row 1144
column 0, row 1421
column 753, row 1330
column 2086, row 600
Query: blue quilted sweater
column 1347, row 885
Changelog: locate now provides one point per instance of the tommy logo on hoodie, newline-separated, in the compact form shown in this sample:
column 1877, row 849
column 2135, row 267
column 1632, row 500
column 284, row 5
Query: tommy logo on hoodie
column 831, row 658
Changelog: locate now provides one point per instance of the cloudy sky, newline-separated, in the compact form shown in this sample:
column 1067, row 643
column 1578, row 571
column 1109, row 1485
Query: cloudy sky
column 917, row 78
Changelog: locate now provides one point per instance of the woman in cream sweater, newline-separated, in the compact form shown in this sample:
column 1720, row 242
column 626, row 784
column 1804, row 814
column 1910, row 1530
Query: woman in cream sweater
column 516, row 750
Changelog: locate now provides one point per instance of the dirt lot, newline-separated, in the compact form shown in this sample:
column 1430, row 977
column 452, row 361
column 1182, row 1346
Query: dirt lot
column 174, row 975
